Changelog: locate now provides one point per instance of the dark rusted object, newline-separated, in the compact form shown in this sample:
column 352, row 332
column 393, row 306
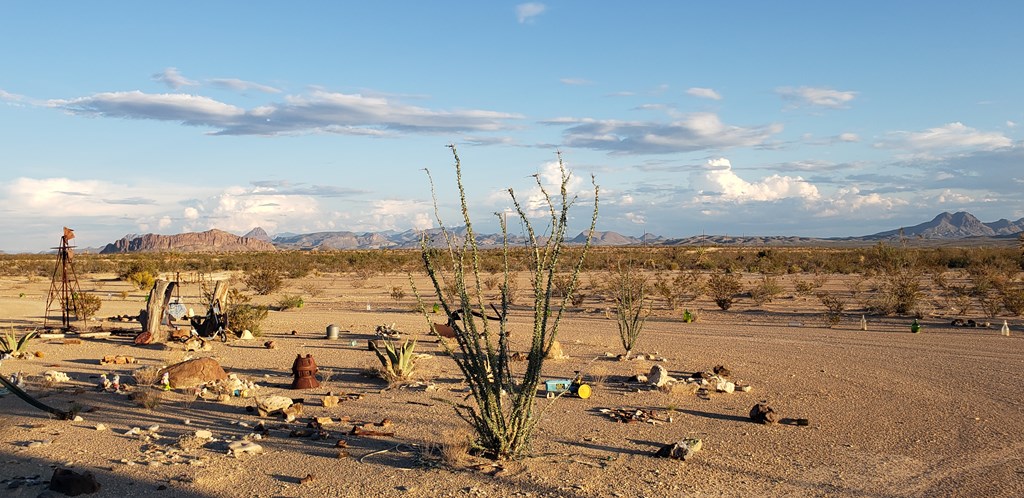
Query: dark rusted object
column 304, row 370
column 64, row 288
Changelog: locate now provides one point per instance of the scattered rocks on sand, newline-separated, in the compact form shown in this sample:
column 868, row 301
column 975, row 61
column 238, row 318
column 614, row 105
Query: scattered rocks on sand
column 195, row 372
column 628, row 416
column 55, row 377
column 284, row 405
column 117, row 360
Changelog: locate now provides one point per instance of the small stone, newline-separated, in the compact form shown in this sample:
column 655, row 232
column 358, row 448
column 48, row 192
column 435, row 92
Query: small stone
column 745, row 388
column 246, row 335
column 330, row 401
column 153, row 428
column 78, row 418
column 641, row 378
column 270, row 345
column 204, row 434
column 304, row 480
column 101, row 427
column 244, row 447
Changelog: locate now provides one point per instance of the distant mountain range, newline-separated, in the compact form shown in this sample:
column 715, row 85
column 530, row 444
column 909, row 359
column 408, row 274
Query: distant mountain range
column 944, row 227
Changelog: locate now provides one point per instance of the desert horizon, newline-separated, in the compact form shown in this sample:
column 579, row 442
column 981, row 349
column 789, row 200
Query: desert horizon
column 886, row 411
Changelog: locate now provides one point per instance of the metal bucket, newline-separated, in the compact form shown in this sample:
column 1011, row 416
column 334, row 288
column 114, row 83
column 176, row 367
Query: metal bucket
column 332, row 332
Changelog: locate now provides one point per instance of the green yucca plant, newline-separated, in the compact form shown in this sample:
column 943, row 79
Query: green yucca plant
column 397, row 362
column 10, row 344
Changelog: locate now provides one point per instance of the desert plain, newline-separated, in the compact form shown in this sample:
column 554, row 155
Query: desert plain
column 889, row 412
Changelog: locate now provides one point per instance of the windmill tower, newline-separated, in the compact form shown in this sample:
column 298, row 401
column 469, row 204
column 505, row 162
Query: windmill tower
column 64, row 284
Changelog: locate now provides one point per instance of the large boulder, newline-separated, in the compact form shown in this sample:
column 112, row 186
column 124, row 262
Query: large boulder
column 195, row 372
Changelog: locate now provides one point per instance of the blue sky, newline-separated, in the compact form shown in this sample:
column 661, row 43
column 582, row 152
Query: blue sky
column 771, row 118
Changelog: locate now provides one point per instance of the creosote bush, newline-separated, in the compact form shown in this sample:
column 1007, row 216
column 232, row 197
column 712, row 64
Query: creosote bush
column 503, row 416
column 834, row 307
column 723, row 288
column 766, row 290
column 86, row 305
column 245, row 316
column 289, row 301
column 264, row 281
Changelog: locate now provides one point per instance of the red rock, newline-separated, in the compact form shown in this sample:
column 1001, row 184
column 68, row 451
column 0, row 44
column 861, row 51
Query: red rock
column 195, row 372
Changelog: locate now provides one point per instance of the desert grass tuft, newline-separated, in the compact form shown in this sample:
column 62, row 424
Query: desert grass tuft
column 148, row 398
column 146, row 376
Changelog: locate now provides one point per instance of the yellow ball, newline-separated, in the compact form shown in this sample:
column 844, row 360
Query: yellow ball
column 583, row 391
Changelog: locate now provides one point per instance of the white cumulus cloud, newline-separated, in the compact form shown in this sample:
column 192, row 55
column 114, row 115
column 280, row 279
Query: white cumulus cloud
column 849, row 200
column 718, row 182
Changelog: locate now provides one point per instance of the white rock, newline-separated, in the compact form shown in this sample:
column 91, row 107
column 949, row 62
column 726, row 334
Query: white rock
column 271, row 404
column 134, row 431
column 240, row 447
column 153, row 428
column 659, row 376
column 78, row 418
column 55, row 376
column 246, row 335
column 725, row 386
column 101, row 427
column 204, row 434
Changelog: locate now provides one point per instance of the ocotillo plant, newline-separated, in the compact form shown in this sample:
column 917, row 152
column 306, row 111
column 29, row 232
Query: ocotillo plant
column 504, row 416
column 629, row 287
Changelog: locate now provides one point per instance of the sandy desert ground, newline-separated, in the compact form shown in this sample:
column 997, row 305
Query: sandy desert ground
column 940, row 413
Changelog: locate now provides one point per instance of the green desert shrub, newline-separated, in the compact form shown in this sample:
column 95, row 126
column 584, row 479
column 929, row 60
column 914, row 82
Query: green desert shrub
column 86, row 305
column 245, row 316
column 723, row 288
column 766, row 290
column 289, row 301
column 263, row 281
